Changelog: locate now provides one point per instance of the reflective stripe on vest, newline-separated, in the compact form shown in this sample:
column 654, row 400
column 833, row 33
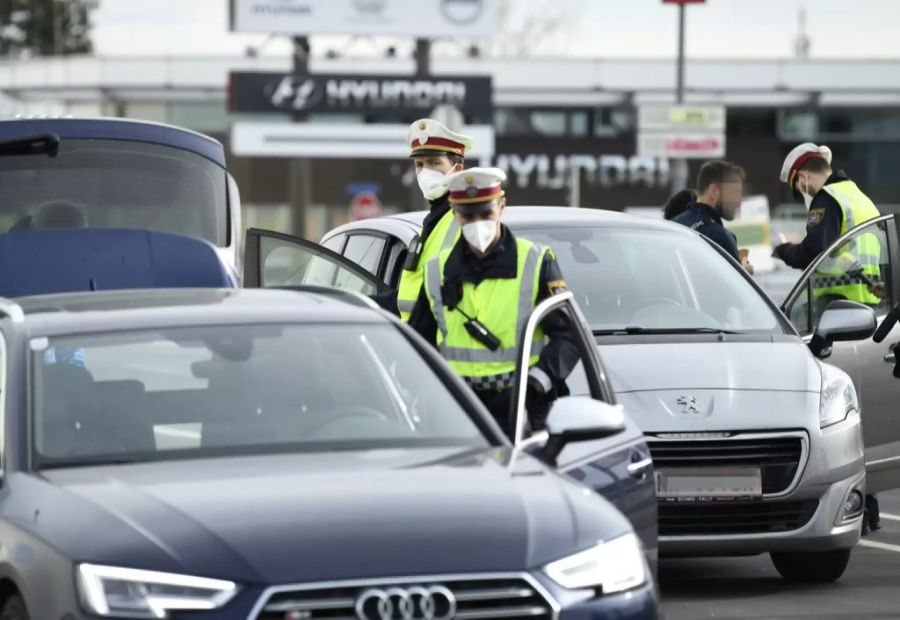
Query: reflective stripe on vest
column 831, row 276
column 443, row 237
column 502, row 305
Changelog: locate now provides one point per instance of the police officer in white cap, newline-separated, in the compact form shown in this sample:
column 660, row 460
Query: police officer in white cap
column 436, row 153
column 835, row 203
column 478, row 295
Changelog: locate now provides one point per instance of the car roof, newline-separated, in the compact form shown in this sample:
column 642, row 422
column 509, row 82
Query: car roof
column 523, row 217
column 69, row 313
column 116, row 129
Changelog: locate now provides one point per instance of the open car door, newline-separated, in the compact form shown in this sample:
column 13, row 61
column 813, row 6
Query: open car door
column 274, row 259
column 588, row 436
column 861, row 266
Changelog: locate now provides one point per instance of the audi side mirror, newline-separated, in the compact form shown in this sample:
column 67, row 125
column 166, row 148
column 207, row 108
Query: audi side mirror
column 843, row 320
column 580, row 418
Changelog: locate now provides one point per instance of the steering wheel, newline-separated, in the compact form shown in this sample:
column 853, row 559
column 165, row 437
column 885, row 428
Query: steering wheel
column 655, row 301
column 357, row 411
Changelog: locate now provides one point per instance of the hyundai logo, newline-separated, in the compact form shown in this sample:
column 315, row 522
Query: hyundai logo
column 406, row 603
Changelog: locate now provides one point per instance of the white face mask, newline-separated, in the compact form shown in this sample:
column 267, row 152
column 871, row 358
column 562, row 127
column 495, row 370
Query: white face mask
column 432, row 183
column 480, row 234
column 807, row 198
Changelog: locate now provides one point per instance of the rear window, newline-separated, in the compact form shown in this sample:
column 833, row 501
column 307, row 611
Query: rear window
column 114, row 184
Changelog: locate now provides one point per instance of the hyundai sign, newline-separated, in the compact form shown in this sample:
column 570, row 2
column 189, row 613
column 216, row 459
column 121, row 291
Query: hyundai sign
column 360, row 94
column 413, row 18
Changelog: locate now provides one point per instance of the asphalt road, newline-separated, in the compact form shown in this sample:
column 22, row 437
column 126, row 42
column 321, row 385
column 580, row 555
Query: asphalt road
column 749, row 587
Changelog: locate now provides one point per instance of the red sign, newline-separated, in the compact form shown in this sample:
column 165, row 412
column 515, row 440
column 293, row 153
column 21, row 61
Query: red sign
column 364, row 205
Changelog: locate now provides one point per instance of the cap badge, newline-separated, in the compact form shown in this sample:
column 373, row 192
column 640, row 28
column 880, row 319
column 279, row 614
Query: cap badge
column 470, row 179
column 422, row 125
column 471, row 191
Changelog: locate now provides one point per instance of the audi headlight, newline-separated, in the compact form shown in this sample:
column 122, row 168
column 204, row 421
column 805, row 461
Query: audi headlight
column 112, row 591
column 838, row 398
column 613, row 566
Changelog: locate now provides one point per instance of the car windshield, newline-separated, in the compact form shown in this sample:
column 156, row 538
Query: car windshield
column 238, row 389
column 643, row 281
column 114, row 184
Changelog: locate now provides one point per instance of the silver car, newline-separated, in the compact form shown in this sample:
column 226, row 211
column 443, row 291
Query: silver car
column 757, row 444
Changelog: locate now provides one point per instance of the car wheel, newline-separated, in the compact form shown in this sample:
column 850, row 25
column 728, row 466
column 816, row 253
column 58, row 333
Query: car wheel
column 815, row 567
column 14, row 609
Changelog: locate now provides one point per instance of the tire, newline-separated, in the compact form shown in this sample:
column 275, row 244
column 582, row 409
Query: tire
column 14, row 609
column 815, row 567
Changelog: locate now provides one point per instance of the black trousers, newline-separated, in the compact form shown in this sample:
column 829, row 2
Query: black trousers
column 499, row 403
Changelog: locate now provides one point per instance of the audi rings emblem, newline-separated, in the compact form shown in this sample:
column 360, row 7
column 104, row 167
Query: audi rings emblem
column 412, row 603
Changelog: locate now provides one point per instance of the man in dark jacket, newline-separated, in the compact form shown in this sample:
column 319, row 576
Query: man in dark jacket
column 720, row 187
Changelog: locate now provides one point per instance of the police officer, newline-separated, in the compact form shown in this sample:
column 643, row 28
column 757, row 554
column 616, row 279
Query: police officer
column 436, row 152
column 479, row 294
column 719, row 193
column 836, row 204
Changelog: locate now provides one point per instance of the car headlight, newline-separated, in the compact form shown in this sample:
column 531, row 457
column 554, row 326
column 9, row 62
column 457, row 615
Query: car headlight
column 112, row 591
column 613, row 566
column 838, row 398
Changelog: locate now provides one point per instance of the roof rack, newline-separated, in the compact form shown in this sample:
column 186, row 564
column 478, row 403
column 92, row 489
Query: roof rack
column 12, row 310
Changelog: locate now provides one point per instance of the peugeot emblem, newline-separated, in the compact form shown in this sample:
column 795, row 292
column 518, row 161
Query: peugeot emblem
column 406, row 603
column 688, row 405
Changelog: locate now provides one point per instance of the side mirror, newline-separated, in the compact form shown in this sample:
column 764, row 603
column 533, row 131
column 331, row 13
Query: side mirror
column 842, row 320
column 580, row 418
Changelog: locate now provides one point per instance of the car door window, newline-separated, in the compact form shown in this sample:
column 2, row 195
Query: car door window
column 335, row 244
column 365, row 251
column 394, row 265
column 859, row 269
column 274, row 260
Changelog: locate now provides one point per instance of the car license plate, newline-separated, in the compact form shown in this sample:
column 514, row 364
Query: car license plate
column 705, row 484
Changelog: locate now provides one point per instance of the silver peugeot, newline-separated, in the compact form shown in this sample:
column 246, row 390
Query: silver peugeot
column 756, row 441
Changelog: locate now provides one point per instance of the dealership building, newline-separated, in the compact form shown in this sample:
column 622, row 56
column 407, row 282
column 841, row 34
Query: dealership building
column 565, row 130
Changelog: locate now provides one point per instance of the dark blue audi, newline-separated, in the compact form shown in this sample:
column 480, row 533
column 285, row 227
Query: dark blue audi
column 290, row 455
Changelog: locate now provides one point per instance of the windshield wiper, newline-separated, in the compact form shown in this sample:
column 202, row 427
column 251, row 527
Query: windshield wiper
column 91, row 463
column 38, row 144
column 630, row 330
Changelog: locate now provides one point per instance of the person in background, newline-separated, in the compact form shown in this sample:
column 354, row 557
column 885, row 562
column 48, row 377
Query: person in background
column 678, row 203
column 720, row 190
column 478, row 296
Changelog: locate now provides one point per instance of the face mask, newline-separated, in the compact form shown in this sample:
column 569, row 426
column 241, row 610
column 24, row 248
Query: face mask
column 807, row 198
column 432, row 183
column 480, row 235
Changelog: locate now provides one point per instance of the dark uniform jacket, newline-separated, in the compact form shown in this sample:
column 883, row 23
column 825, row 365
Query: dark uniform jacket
column 823, row 227
column 439, row 208
column 561, row 355
column 707, row 221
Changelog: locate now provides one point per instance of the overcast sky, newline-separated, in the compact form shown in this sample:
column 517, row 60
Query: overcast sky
column 596, row 28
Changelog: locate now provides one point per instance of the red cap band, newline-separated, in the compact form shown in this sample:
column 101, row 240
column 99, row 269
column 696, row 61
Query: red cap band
column 439, row 144
column 800, row 161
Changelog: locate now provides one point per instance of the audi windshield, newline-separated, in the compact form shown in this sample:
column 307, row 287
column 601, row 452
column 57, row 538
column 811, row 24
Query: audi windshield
column 631, row 281
column 114, row 184
column 239, row 389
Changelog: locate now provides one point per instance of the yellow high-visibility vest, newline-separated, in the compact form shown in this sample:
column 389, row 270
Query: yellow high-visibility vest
column 831, row 275
column 443, row 236
column 502, row 305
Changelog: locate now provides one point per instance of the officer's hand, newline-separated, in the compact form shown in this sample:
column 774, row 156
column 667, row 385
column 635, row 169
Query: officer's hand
column 537, row 404
column 748, row 266
column 877, row 289
column 778, row 252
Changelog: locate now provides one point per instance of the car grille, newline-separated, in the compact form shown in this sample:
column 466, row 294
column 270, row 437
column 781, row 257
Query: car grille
column 779, row 458
column 716, row 518
column 474, row 599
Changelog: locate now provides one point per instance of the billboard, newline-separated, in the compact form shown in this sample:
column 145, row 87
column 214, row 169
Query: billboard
column 260, row 92
column 688, row 131
column 412, row 18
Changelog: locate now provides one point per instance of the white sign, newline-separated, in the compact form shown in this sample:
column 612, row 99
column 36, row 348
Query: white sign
column 681, row 131
column 376, row 141
column 413, row 18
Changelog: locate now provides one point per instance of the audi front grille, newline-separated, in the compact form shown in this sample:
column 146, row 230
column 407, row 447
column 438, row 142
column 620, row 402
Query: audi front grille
column 735, row 518
column 440, row 598
column 780, row 457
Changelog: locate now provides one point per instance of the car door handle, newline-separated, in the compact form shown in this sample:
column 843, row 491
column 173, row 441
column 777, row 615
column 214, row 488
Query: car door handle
column 891, row 358
column 639, row 469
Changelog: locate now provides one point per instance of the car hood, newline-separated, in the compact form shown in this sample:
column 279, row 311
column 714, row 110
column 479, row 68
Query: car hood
column 770, row 366
column 290, row 519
